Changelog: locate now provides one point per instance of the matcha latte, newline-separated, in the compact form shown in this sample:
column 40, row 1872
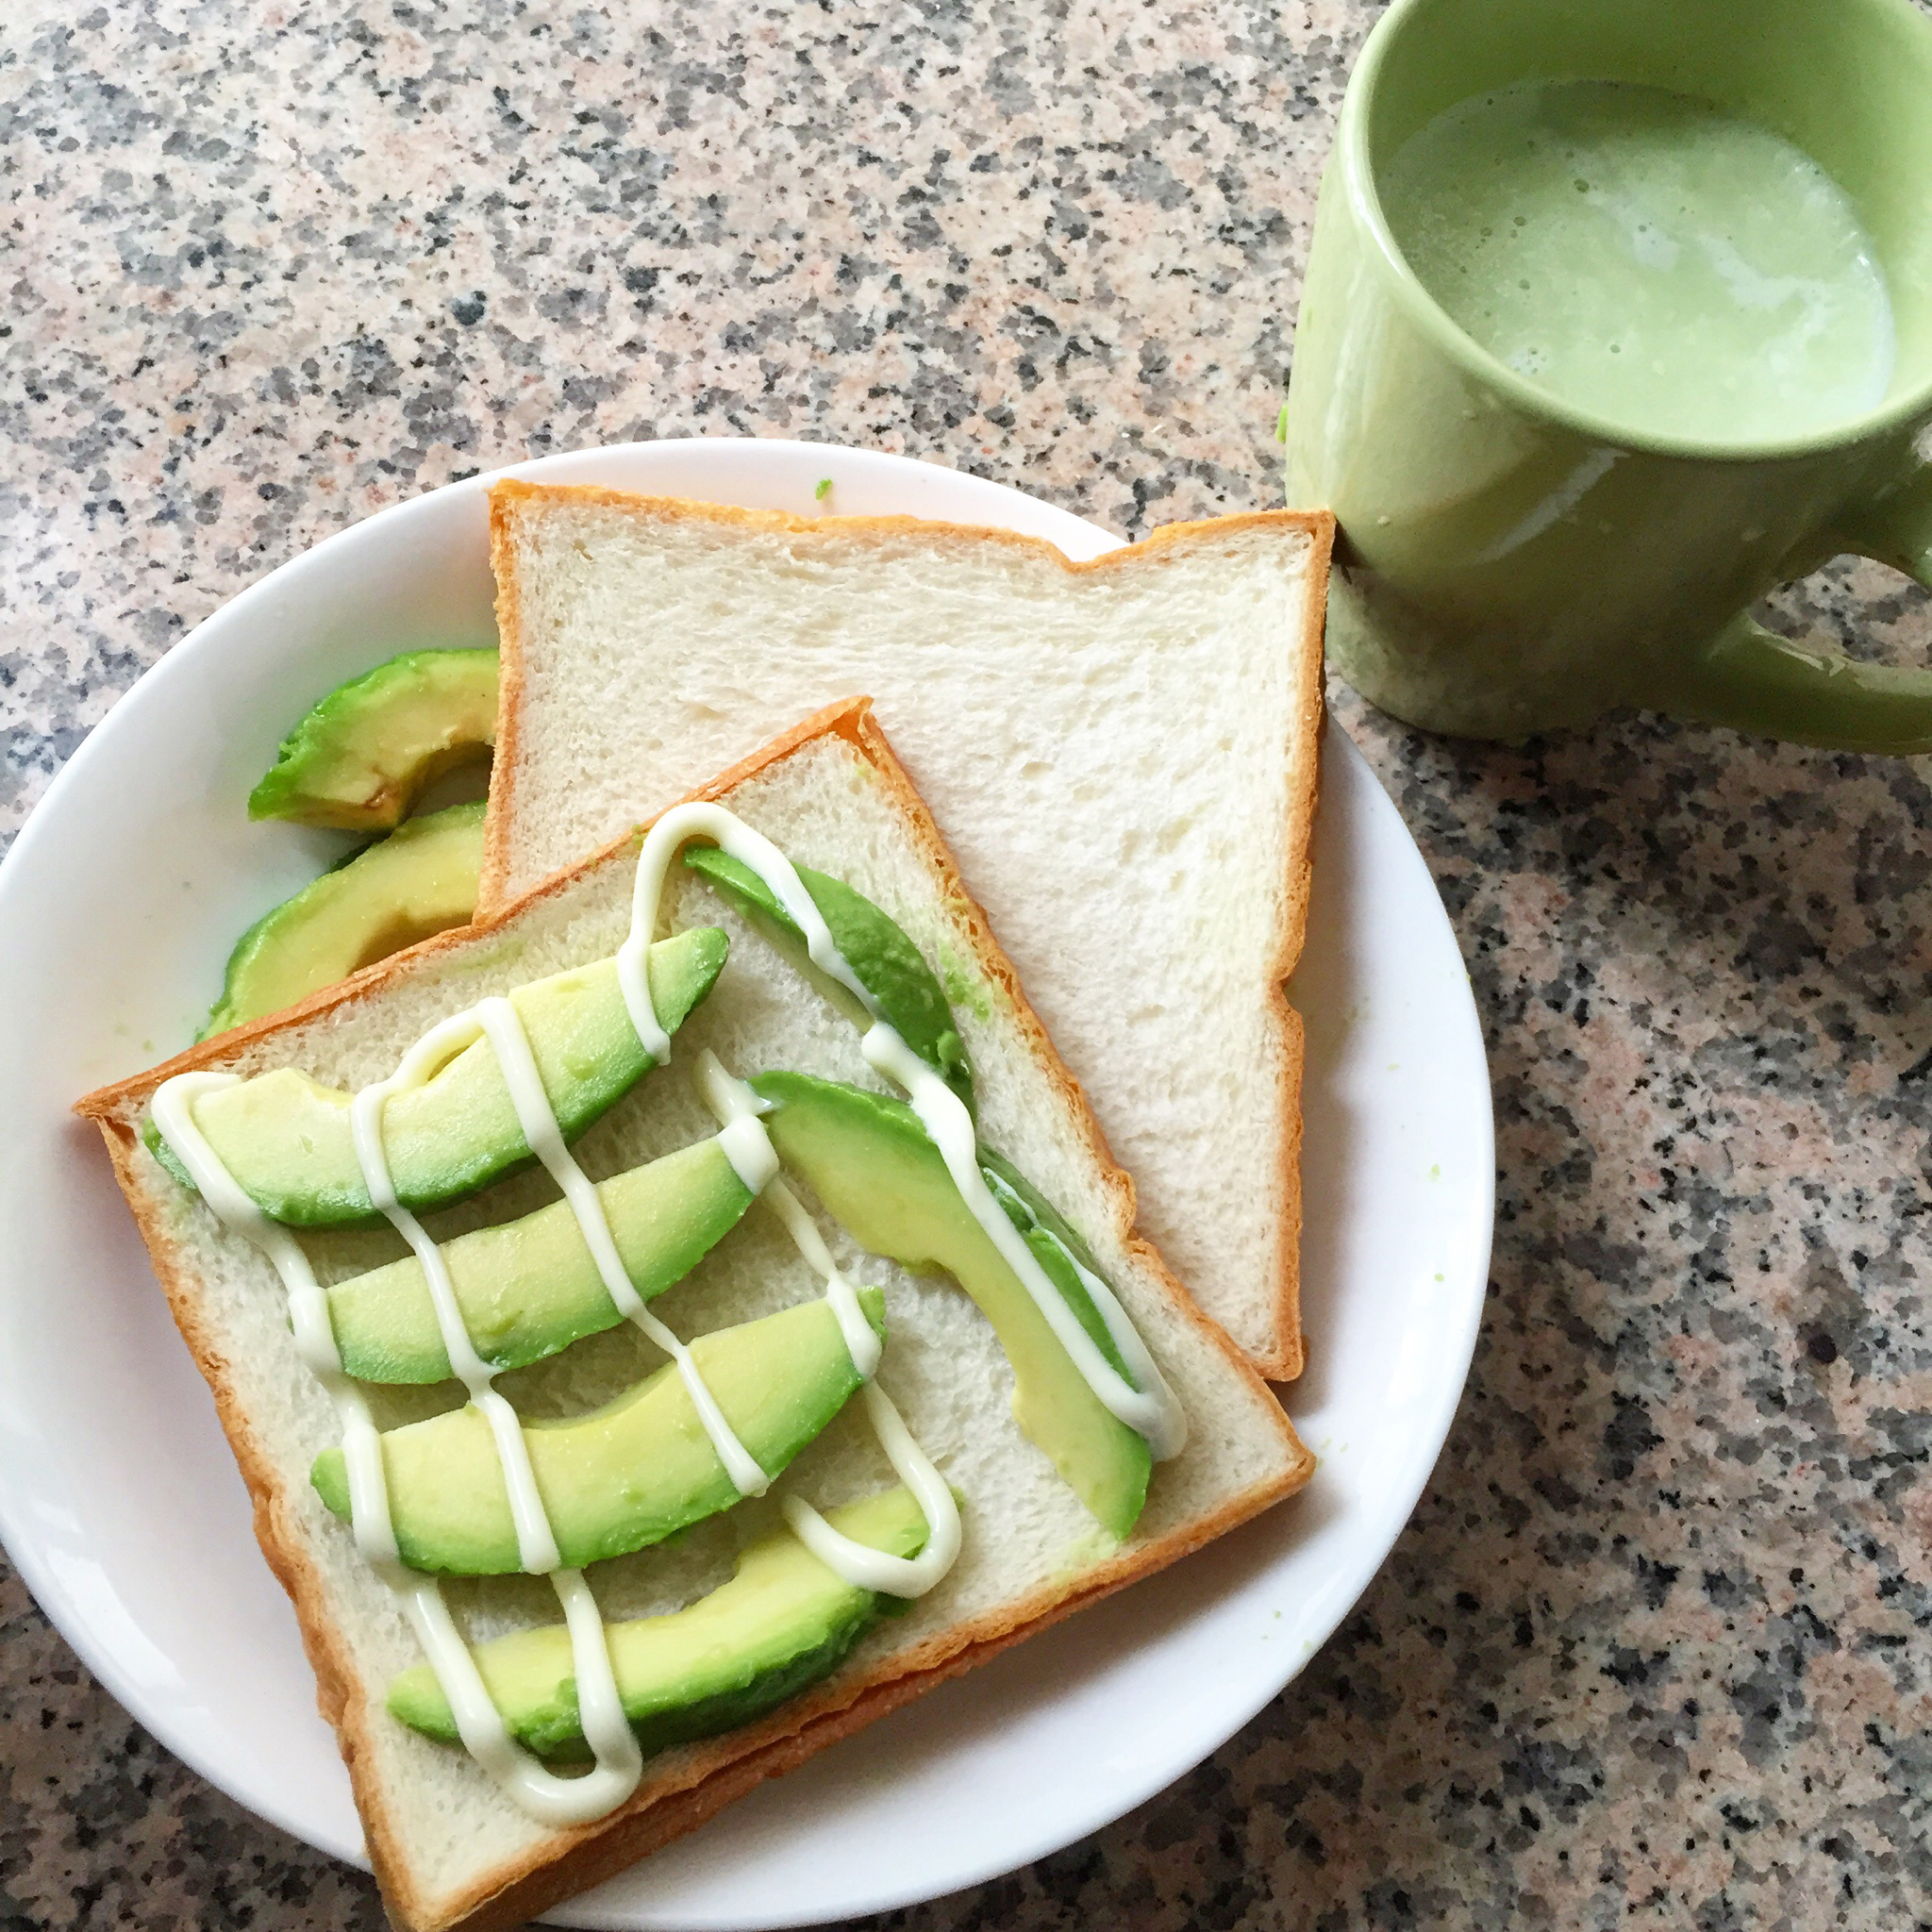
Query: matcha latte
column 1642, row 256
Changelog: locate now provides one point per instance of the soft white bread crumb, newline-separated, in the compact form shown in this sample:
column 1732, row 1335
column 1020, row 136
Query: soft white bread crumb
column 1122, row 755
column 449, row 1847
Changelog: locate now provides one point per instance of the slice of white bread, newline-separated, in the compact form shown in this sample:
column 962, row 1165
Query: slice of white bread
column 1124, row 754
column 448, row 1847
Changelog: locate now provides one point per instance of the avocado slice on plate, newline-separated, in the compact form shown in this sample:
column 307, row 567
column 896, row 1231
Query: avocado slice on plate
column 871, row 1163
column 882, row 958
column 528, row 1287
column 783, row 1622
column 361, row 757
column 287, row 1138
column 625, row 1476
column 419, row 881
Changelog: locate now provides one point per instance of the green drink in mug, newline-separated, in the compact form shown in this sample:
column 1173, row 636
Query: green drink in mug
column 1637, row 253
column 1619, row 314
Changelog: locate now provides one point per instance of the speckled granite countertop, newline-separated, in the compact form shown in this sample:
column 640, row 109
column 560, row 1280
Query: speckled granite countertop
column 1653, row 1652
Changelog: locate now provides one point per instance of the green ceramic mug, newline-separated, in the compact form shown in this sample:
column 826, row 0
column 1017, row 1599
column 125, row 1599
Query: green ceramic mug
column 1510, row 563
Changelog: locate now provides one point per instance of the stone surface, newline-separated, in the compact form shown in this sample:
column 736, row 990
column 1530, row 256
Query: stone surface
column 1653, row 1651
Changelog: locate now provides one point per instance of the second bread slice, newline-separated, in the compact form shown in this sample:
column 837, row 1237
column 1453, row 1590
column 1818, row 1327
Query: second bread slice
column 1124, row 754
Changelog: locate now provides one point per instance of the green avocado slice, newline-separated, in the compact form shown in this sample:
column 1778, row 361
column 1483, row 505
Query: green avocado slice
column 871, row 1163
column 884, row 960
column 527, row 1289
column 361, row 757
column 625, row 1476
column 419, row 881
column 287, row 1140
column 782, row 1623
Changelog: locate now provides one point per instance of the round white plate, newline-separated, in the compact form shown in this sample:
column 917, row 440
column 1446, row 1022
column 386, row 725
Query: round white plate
column 119, row 1501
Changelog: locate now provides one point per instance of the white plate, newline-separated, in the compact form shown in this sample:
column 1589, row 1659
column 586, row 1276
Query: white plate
column 125, row 1515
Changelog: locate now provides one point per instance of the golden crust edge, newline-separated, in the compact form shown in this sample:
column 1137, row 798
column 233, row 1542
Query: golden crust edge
column 565, row 1863
column 668, row 509
column 1311, row 710
column 495, row 869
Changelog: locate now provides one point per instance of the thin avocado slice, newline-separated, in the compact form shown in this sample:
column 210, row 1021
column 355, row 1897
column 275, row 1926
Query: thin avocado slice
column 871, row 1161
column 1028, row 1210
column 625, row 1476
column 359, row 760
column 527, row 1289
column 287, row 1138
column 419, row 881
column 884, row 960
column 782, row 1623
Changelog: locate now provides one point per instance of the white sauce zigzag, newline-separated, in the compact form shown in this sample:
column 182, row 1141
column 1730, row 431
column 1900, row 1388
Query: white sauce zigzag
column 554, row 1800
column 863, row 1567
column 1151, row 1410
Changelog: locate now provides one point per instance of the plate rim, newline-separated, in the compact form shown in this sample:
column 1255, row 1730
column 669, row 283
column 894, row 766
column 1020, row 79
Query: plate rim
column 26, row 1551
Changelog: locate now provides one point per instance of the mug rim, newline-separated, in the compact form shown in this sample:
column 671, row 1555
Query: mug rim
column 1904, row 413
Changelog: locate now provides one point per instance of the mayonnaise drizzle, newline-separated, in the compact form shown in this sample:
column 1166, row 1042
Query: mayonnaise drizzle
column 619, row 1763
column 675, row 830
column 498, row 1019
column 733, row 1100
column 862, row 1566
column 552, row 1800
column 536, row 1545
column 737, row 1106
column 1150, row 1411
column 315, row 1339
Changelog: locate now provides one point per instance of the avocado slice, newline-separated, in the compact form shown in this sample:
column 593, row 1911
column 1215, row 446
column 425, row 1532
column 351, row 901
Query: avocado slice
column 783, row 1622
column 625, row 1476
column 530, row 1288
column 359, row 760
column 882, row 958
column 287, row 1140
column 871, row 1163
column 420, row 880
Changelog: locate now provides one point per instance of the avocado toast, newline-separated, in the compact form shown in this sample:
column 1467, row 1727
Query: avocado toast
column 1057, row 1499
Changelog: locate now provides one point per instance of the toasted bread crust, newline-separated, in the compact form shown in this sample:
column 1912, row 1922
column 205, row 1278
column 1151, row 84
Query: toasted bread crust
column 507, row 754
column 706, row 1778
column 1284, row 1361
column 1311, row 710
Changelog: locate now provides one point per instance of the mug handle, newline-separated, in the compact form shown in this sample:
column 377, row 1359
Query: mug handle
column 1753, row 680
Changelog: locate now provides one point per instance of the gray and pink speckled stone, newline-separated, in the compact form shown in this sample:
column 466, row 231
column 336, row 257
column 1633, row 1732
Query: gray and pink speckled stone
column 1654, row 1651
